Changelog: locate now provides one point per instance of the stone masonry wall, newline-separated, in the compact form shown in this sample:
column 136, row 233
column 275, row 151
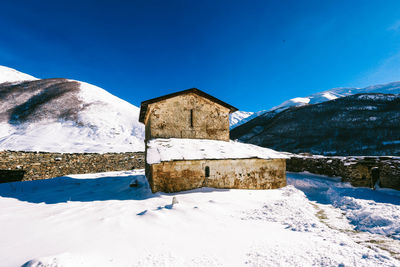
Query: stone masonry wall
column 173, row 176
column 43, row 165
column 187, row 116
column 359, row 171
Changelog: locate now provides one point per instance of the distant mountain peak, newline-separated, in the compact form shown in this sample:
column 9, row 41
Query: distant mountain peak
column 334, row 93
column 238, row 117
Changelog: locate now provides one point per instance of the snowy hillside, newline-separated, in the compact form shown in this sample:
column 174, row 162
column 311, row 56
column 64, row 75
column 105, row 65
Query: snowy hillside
column 10, row 75
column 237, row 117
column 99, row 220
column 60, row 115
column 240, row 117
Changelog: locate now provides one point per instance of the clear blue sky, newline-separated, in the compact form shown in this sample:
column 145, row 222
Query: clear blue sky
column 251, row 54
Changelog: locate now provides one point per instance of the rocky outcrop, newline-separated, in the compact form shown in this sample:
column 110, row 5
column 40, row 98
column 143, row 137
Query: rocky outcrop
column 22, row 166
column 359, row 171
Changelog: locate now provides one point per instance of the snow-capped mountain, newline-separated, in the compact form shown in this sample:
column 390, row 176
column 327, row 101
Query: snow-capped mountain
column 238, row 117
column 361, row 124
column 389, row 88
column 61, row 115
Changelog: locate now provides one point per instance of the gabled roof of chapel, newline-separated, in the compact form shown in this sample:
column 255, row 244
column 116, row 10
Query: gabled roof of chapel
column 144, row 104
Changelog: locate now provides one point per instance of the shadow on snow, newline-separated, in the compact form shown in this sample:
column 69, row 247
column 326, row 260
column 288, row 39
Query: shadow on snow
column 316, row 187
column 65, row 188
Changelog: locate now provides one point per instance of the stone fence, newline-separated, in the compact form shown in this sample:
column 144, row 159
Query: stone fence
column 359, row 171
column 24, row 166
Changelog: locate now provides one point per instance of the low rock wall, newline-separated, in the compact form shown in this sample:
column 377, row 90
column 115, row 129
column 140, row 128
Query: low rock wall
column 359, row 171
column 43, row 165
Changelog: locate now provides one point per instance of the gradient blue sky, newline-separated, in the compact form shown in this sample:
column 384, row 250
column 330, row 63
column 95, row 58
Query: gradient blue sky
column 251, row 54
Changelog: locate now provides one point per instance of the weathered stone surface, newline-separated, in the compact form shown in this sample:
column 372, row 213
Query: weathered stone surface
column 41, row 165
column 187, row 116
column 173, row 176
column 359, row 171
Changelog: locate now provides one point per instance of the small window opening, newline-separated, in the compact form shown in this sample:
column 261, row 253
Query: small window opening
column 207, row 171
column 191, row 118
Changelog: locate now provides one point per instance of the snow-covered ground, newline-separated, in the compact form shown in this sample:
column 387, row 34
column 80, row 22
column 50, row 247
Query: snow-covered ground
column 99, row 220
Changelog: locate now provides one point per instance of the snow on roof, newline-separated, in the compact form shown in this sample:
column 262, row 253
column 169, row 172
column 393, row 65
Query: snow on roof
column 159, row 150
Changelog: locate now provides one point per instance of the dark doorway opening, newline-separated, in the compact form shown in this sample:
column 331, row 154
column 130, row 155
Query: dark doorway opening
column 374, row 176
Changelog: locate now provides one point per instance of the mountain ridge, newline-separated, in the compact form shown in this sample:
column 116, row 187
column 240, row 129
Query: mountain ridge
column 319, row 97
column 331, row 94
column 360, row 124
